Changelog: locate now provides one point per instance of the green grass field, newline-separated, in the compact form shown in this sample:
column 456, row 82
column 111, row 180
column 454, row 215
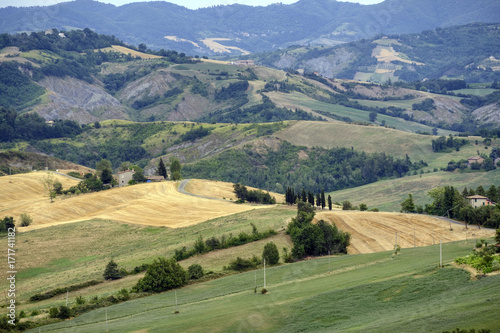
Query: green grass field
column 299, row 100
column 387, row 195
column 68, row 254
column 376, row 292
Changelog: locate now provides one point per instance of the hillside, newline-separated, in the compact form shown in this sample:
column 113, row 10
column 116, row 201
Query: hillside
column 108, row 82
column 155, row 204
column 240, row 29
column 464, row 52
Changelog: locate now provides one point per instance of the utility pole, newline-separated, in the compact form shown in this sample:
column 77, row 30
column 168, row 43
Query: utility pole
column 328, row 261
column 440, row 253
column 176, row 307
column 264, row 273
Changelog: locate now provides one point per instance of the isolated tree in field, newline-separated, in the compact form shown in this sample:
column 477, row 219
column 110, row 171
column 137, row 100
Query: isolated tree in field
column 163, row 274
column 162, row 170
column 330, row 202
column 408, row 206
column 271, row 254
column 26, row 220
column 373, row 116
column 111, row 271
column 57, row 187
column 363, row 207
column 48, row 183
column 175, row 168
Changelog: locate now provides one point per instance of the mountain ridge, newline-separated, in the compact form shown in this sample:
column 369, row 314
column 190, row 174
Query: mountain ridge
column 256, row 29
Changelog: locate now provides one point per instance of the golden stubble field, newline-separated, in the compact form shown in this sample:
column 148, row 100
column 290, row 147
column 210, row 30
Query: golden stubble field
column 221, row 190
column 375, row 232
column 153, row 204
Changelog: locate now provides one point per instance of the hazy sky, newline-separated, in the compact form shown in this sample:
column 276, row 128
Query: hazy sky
column 190, row 3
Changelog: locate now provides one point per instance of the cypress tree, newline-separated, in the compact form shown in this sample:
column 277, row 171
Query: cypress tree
column 162, row 170
column 329, row 202
column 323, row 201
column 304, row 195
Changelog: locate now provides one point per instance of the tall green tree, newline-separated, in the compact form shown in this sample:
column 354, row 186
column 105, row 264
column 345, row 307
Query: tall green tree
column 271, row 254
column 111, row 271
column 330, row 202
column 408, row 206
column 323, row 201
column 163, row 274
column 162, row 170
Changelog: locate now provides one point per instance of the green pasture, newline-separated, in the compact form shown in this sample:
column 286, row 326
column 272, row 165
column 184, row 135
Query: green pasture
column 377, row 292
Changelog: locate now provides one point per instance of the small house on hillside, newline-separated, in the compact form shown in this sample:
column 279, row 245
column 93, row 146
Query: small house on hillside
column 124, row 177
column 478, row 201
column 475, row 159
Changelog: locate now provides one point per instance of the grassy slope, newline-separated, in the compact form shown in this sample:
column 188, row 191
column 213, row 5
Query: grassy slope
column 388, row 194
column 376, row 139
column 373, row 293
column 67, row 254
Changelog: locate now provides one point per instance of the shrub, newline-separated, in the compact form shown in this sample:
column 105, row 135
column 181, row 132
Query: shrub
column 195, row 271
column 287, row 257
column 263, row 291
column 64, row 312
column 80, row 300
column 123, row 295
column 53, row 312
column 271, row 254
column 26, row 220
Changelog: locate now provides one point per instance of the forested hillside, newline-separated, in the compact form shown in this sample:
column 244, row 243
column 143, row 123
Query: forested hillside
column 251, row 29
column 470, row 52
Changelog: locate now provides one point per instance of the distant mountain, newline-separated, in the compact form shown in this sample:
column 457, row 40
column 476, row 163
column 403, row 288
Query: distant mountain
column 237, row 29
column 470, row 52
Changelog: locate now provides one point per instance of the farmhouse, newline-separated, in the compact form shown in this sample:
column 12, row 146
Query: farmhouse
column 479, row 200
column 244, row 63
column 155, row 178
column 475, row 159
column 124, row 177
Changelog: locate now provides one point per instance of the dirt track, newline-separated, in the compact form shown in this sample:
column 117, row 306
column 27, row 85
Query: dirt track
column 374, row 232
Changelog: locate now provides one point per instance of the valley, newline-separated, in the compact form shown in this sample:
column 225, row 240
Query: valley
column 320, row 166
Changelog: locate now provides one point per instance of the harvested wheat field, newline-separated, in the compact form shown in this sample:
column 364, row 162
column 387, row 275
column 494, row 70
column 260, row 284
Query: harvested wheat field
column 375, row 232
column 155, row 204
column 220, row 190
